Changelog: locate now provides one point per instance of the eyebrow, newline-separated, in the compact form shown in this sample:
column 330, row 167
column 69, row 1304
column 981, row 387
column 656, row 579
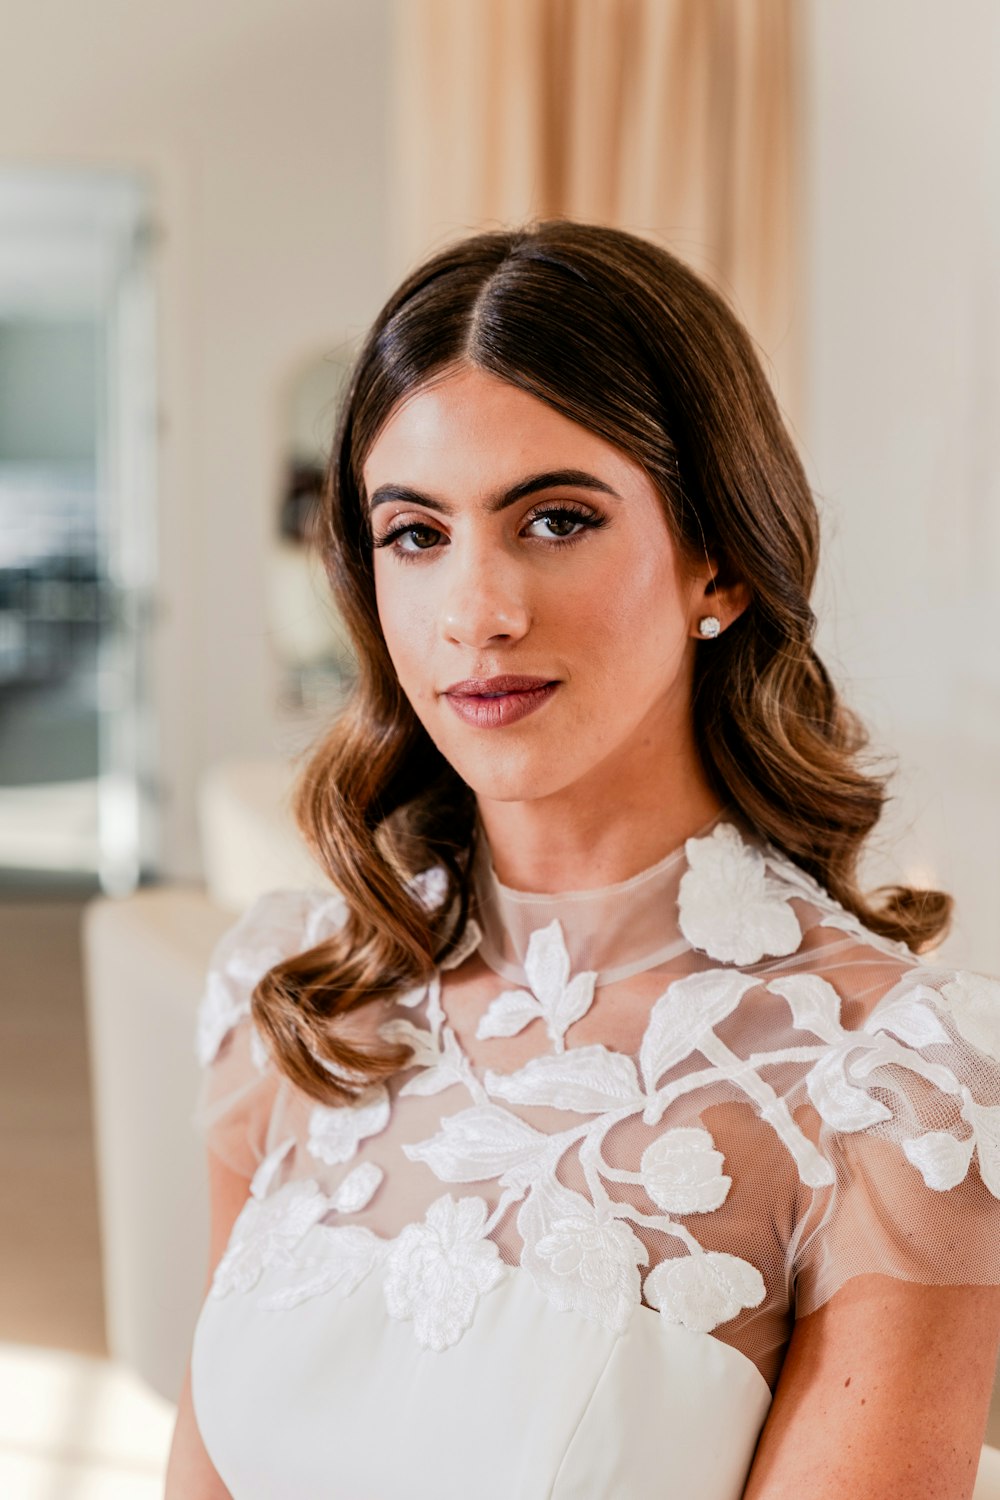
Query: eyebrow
column 550, row 479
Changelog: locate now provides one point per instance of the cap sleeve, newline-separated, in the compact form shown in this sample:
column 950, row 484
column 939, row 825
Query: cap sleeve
column 908, row 1111
column 235, row 1105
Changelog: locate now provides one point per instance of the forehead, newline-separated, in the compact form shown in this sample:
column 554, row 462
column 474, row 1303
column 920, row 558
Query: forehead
column 470, row 429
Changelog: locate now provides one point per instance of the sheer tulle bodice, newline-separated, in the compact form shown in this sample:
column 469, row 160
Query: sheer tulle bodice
column 644, row 1127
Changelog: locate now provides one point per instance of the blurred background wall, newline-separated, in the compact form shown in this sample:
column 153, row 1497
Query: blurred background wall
column 260, row 132
column 200, row 211
column 281, row 150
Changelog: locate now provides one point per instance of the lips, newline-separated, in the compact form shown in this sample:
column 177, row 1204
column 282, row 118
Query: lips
column 493, row 702
column 477, row 687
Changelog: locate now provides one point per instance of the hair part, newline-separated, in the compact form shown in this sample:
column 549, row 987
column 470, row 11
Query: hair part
column 620, row 336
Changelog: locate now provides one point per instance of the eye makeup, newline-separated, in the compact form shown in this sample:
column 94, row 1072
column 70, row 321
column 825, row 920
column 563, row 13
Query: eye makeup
column 561, row 512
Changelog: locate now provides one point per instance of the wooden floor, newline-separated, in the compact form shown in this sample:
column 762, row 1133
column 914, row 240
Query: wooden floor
column 50, row 1292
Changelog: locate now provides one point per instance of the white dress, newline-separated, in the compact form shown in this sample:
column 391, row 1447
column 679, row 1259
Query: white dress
column 561, row 1254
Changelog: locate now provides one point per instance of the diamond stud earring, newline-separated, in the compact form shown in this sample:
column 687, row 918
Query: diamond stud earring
column 709, row 626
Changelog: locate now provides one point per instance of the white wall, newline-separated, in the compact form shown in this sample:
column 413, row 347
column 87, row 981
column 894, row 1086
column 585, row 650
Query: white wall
column 263, row 127
column 903, row 403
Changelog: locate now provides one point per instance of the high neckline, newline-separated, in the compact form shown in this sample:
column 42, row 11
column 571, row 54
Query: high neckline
column 613, row 930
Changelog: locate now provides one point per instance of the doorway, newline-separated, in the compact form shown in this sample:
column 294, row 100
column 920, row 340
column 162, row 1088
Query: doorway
column 77, row 531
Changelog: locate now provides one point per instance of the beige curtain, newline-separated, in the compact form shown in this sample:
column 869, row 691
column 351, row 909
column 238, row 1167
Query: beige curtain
column 673, row 118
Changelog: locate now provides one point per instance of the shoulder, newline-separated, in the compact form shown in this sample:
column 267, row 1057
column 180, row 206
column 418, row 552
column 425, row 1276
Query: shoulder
column 277, row 925
column 906, row 1369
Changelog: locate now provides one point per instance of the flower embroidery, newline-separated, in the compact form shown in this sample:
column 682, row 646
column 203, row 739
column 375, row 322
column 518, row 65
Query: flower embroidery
column 554, row 997
column 336, row 1131
column 682, row 1172
column 701, row 1291
column 728, row 906
column 584, row 1261
column 940, row 1157
column 266, row 1233
column 436, row 1271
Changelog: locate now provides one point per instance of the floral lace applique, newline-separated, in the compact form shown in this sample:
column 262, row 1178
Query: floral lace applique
column 327, row 1259
column 226, row 999
column 224, row 1004
column 336, row 1131
column 581, row 1247
column 358, row 1188
column 682, row 1172
column 554, row 998
column 435, row 1272
column 584, row 1259
column 729, row 906
column 701, row 1291
column 266, row 1233
column 973, row 1002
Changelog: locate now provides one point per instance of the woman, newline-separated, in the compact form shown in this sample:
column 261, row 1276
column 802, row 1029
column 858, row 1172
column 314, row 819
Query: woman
column 594, row 1135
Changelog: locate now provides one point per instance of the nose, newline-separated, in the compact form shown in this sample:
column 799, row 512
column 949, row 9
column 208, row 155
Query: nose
column 484, row 599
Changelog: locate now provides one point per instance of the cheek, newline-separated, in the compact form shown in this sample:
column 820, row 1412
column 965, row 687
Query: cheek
column 402, row 615
column 631, row 619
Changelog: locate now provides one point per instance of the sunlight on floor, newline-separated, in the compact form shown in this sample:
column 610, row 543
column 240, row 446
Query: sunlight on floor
column 78, row 1428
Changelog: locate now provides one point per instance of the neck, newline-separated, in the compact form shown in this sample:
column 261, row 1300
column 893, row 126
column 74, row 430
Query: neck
column 589, row 836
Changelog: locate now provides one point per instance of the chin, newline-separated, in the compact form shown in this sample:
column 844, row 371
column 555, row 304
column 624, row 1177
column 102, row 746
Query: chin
column 500, row 777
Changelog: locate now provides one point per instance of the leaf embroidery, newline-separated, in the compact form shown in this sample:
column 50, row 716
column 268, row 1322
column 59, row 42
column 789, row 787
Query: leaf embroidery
column 973, row 1002
column 326, row 1260
column 554, row 998
column 580, row 1247
column 684, row 1014
column 588, row 1080
column 813, row 1002
column 481, row 1143
column 267, row 1234
column 357, row 1189
column 336, row 1132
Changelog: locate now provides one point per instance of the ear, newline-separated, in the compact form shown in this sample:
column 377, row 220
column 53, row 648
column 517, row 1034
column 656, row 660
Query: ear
column 721, row 594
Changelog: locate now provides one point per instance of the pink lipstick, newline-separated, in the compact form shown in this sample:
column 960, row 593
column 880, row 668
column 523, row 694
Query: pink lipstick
column 492, row 702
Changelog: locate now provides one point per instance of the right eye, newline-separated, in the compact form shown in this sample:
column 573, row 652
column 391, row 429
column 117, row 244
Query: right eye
column 422, row 538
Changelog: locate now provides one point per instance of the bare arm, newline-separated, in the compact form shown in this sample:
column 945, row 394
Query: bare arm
column 883, row 1395
column 191, row 1474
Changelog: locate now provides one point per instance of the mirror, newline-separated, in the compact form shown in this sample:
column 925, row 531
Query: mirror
column 314, row 653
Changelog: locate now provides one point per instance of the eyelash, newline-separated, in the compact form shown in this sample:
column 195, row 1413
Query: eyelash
column 586, row 518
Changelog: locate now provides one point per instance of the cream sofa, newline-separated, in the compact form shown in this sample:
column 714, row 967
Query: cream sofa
column 145, row 959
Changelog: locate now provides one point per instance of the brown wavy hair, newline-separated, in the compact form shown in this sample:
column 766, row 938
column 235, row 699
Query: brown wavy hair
column 620, row 336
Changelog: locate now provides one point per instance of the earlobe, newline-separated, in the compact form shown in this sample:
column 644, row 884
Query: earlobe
column 723, row 604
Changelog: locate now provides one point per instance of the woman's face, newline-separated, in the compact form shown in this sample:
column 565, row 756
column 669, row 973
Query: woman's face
column 512, row 543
